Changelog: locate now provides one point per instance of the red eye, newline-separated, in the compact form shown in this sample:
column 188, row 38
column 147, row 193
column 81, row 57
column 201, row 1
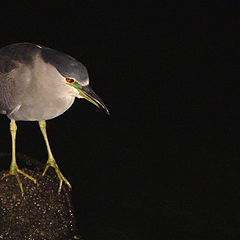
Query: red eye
column 69, row 80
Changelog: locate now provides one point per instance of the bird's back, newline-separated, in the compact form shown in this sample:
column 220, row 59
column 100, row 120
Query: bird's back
column 12, row 59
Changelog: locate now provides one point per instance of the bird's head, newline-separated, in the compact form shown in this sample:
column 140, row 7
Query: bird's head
column 75, row 75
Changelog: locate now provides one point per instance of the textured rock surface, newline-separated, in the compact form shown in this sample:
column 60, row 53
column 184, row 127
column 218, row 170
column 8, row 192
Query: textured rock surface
column 41, row 214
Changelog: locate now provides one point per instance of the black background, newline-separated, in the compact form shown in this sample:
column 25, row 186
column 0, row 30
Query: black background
column 165, row 163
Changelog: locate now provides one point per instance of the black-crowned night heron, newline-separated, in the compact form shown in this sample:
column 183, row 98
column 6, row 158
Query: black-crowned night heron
column 36, row 84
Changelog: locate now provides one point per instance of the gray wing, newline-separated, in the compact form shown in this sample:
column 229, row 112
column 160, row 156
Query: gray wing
column 7, row 85
column 14, row 59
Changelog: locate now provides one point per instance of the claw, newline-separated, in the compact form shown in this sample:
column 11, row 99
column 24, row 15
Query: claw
column 52, row 163
column 15, row 172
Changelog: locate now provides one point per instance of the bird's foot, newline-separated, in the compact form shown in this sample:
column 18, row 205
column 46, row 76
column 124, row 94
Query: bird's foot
column 52, row 163
column 14, row 171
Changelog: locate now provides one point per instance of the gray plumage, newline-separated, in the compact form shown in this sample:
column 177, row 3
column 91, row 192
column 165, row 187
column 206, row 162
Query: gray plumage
column 28, row 75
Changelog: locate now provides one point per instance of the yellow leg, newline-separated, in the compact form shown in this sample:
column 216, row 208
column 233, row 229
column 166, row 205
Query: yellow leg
column 51, row 162
column 14, row 170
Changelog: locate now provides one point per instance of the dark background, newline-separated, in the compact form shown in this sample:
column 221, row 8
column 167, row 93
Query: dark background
column 165, row 163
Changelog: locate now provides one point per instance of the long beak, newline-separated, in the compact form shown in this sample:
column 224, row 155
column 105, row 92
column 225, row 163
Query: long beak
column 87, row 93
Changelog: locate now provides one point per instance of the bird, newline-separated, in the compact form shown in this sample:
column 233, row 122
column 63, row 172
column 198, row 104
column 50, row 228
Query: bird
column 38, row 83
